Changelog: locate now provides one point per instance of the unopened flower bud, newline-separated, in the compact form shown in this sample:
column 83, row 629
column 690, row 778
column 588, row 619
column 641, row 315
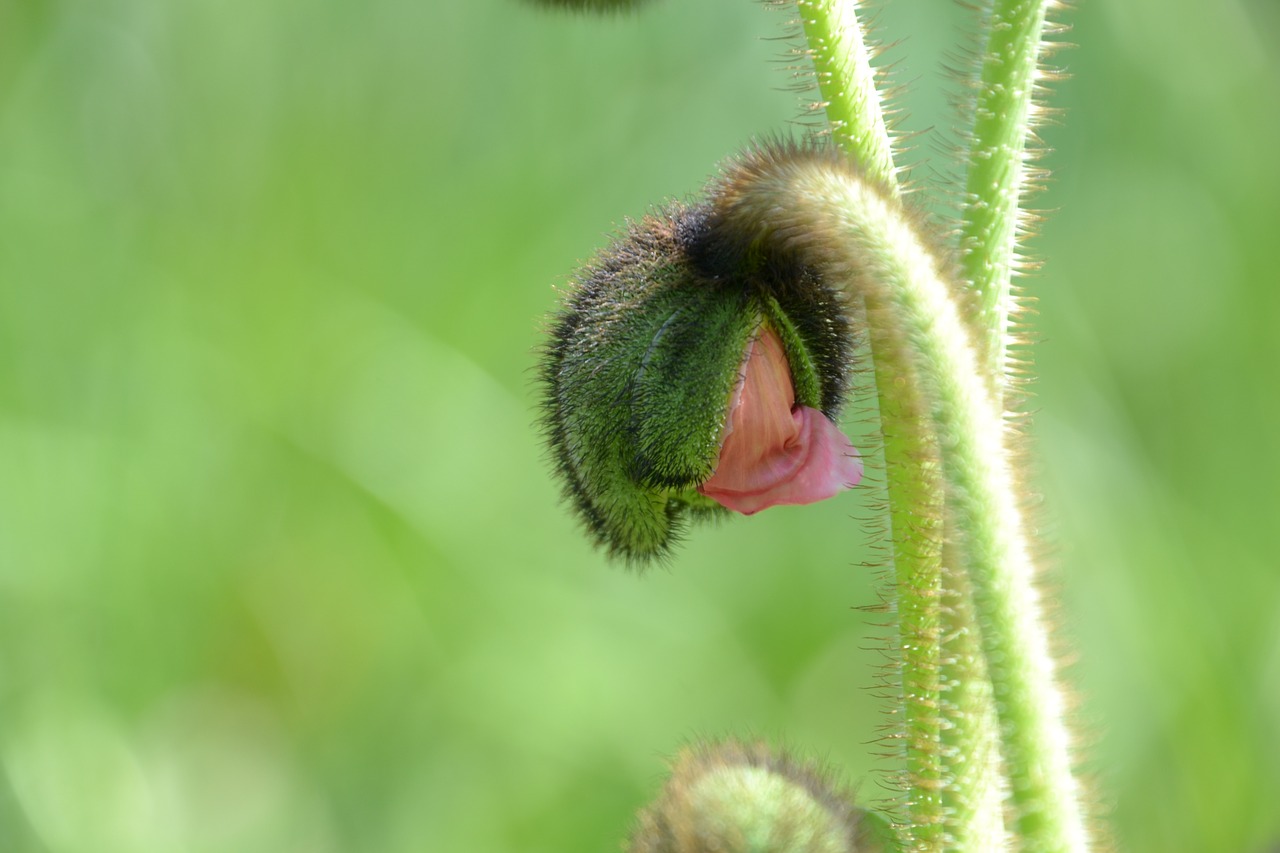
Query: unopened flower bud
column 680, row 380
column 745, row 798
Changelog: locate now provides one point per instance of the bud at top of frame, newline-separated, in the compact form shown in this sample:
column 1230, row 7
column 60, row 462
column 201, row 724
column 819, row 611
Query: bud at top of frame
column 589, row 6
column 680, row 381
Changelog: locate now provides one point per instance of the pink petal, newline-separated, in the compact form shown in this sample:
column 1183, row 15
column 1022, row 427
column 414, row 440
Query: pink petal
column 774, row 451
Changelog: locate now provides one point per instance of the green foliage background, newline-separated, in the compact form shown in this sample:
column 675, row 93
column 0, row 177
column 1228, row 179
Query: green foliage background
column 280, row 564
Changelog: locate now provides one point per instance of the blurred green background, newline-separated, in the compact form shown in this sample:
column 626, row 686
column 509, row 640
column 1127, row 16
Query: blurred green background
column 281, row 568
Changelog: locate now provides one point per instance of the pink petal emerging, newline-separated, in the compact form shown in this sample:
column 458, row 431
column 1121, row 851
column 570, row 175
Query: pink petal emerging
column 774, row 451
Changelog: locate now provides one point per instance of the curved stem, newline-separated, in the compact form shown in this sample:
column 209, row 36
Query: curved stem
column 846, row 82
column 998, row 170
column 823, row 212
column 955, row 800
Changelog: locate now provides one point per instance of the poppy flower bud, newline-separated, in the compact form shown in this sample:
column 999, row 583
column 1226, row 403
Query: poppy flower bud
column 681, row 380
column 740, row 798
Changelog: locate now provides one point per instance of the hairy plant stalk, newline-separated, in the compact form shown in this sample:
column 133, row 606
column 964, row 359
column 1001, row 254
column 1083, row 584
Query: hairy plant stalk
column 976, row 794
column 999, row 172
column 953, row 784
column 847, row 84
column 824, row 213
column 915, row 494
column 999, row 178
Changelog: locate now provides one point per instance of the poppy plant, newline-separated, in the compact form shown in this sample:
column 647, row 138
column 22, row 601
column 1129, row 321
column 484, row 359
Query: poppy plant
column 700, row 364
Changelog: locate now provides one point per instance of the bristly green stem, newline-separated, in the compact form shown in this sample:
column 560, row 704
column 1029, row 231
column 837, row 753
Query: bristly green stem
column 981, row 495
column 977, row 791
column 993, row 220
column 847, row 83
column 998, row 170
column 822, row 211
column 915, row 493
column 950, row 742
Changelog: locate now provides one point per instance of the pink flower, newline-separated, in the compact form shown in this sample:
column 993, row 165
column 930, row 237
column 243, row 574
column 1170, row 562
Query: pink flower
column 776, row 452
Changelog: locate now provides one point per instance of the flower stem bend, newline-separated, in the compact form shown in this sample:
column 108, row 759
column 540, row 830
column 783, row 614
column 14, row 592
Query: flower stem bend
column 846, row 82
column 812, row 206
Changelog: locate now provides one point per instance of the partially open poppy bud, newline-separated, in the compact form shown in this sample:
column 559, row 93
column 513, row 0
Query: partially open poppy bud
column 680, row 380
column 776, row 451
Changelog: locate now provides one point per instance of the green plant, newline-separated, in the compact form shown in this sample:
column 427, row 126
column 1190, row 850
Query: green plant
column 654, row 378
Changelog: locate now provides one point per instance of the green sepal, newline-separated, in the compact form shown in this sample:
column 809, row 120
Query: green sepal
column 681, row 393
column 804, row 373
column 641, row 366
